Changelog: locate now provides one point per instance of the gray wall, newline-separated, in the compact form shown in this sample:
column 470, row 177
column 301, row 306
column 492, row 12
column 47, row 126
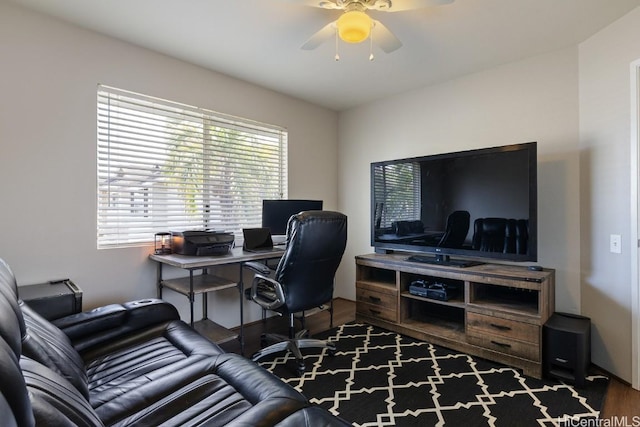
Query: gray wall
column 50, row 72
column 605, row 199
column 576, row 103
column 532, row 100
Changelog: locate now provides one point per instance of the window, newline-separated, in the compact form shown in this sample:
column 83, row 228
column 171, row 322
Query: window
column 397, row 188
column 164, row 166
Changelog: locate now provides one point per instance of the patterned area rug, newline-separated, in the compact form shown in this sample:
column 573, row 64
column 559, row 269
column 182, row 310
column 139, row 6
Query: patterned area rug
column 380, row 378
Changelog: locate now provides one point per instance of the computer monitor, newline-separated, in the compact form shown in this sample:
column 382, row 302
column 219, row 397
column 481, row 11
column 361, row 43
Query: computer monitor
column 276, row 213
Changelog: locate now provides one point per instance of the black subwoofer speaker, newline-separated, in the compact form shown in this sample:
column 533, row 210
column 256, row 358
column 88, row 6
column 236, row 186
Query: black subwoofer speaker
column 566, row 347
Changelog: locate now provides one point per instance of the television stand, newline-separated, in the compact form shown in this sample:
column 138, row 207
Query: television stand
column 443, row 260
column 498, row 314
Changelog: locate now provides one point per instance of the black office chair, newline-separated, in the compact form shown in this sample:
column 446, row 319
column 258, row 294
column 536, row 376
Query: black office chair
column 456, row 230
column 304, row 278
column 488, row 234
column 501, row 235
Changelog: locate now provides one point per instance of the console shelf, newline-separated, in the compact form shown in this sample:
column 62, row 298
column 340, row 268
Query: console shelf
column 497, row 313
column 454, row 302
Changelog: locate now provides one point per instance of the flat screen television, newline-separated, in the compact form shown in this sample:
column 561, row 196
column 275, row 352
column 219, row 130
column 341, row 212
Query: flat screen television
column 276, row 212
column 476, row 205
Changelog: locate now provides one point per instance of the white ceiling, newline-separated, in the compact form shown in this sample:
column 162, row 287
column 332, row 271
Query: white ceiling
column 259, row 40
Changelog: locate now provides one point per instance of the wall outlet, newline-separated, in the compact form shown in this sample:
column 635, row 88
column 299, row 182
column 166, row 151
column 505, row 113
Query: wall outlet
column 615, row 244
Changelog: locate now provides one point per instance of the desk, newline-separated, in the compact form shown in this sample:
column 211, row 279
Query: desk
column 203, row 283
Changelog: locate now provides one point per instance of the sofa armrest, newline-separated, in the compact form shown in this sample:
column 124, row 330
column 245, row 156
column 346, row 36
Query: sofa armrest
column 114, row 320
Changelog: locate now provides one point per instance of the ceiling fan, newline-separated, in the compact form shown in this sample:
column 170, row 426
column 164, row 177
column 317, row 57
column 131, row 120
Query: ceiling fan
column 355, row 26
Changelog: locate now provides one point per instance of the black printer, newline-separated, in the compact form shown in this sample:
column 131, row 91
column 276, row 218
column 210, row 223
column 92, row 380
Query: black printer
column 201, row 242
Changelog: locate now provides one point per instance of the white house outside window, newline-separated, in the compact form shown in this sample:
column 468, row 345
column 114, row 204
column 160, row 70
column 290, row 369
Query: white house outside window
column 164, row 166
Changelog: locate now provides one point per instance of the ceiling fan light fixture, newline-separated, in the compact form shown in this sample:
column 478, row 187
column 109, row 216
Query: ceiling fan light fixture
column 354, row 26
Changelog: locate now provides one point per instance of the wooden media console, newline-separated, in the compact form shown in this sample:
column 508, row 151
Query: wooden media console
column 497, row 312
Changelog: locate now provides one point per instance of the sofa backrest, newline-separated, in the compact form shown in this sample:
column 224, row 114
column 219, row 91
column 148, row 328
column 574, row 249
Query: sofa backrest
column 12, row 326
column 33, row 395
column 47, row 344
column 54, row 400
column 29, row 334
column 7, row 418
column 30, row 392
column 14, row 398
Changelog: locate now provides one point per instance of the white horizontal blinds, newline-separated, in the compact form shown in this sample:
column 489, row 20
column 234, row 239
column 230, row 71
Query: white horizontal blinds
column 397, row 187
column 164, row 166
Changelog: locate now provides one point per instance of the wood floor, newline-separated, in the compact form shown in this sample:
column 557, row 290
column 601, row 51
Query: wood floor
column 621, row 400
column 344, row 311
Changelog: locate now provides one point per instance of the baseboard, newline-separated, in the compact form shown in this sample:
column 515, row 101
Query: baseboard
column 610, row 375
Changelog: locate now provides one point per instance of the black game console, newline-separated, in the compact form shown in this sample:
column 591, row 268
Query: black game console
column 436, row 290
column 419, row 288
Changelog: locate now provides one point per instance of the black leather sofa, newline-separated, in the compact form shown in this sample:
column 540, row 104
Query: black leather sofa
column 134, row 364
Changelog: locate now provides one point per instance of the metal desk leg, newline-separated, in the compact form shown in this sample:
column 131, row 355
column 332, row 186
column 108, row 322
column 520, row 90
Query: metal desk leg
column 241, row 289
column 191, row 296
column 159, row 281
column 205, row 306
column 205, row 300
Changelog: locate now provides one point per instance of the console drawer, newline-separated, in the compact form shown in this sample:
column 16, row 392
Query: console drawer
column 373, row 310
column 377, row 301
column 376, row 295
column 481, row 324
column 506, row 345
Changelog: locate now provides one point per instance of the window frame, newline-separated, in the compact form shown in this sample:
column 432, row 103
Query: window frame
column 224, row 165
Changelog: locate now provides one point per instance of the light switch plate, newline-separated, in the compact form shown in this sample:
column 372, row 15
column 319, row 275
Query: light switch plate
column 615, row 243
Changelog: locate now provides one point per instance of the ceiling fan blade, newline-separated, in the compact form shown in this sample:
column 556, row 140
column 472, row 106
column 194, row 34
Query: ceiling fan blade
column 402, row 5
column 324, row 4
column 384, row 38
column 320, row 37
